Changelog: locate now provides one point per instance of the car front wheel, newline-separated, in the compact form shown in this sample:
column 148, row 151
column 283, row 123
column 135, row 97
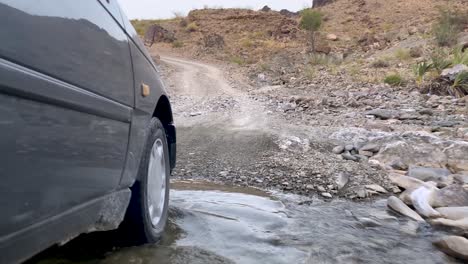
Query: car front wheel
column 147, row 213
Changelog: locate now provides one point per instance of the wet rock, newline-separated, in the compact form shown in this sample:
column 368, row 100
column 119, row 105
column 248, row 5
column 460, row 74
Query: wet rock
column 338, row 149
column 326, row 195
column 400, row 207
column 454, row 246
column 368, row 222
column 428, row 174
column 321, row 188
column 453, row 213
column 460, row 224
column 375, row 187
column 410, row 228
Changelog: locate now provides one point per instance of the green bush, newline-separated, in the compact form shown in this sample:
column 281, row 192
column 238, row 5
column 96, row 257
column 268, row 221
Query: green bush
column 394, row 80
column 440, row 60
column 448, row 25
column 460, row 56
column 402, row 54
column 460, row 85
column 177, row 44
column 192, row 27
column 238, row 60
column 323, row 59
column 420, row 70
column 311, row 20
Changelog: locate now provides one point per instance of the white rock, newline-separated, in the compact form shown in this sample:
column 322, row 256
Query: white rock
column 332, row 37
column 375, row 187
column 420, row 199
column 455, row 246
column 400, row 207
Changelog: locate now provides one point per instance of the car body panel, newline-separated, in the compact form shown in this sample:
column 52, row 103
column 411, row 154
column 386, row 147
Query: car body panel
column 99, row 214
column 78, row 43
column 55, row 157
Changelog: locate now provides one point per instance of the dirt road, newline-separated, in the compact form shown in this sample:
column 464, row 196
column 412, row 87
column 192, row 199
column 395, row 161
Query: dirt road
column 227, row 134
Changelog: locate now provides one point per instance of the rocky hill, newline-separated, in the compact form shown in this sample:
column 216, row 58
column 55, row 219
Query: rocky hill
column 363, row 41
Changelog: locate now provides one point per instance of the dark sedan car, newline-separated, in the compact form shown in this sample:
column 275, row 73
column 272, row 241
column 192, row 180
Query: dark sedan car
column 86, row 132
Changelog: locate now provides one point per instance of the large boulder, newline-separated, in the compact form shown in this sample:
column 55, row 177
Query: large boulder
column 156, row 33
column 423, row 149
column 213, row 40
column 428, row 174
column 451, row 73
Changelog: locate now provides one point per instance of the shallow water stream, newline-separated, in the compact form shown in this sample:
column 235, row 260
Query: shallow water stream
column 215, row 224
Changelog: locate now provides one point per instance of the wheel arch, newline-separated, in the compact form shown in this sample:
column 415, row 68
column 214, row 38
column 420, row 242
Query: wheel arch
column 163, row 112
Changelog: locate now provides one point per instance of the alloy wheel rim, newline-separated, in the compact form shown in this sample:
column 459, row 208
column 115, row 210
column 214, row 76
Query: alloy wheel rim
column 156, row 192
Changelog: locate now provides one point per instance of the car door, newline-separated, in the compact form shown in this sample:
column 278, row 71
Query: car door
column 66, row 100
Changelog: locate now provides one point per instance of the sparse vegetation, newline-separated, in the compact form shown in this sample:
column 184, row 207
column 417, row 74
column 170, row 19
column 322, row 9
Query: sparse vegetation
column 460, row 56
column 460, row 85
column 311, row 20
column 323, row 59
column 420, row 71
column 394, row 80
column 177, row 44
column 192, row 27
column 309, row 72
column 440, row 61
column 380, row 64
column 247, row 43
column 237, row 60
column 448, row 25
column 402, row 54
column 265, row 67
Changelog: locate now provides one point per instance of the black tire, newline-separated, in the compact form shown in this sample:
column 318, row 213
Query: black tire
column 137, row 222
